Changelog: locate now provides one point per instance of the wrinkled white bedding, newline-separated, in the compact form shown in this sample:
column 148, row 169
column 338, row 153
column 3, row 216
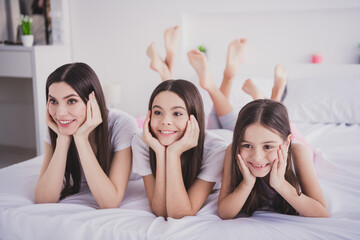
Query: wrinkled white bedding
column 337, row 165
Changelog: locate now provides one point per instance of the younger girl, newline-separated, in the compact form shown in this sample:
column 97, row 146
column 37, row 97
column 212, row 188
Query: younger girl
column 86, row 144
column 264, row 170
column 179, row 162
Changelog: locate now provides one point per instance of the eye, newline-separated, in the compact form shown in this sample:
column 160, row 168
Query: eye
column 267, row 147
column 178, row 114
column 157, row 112
column 72, row 101
column 52, row 101
column 246, row 146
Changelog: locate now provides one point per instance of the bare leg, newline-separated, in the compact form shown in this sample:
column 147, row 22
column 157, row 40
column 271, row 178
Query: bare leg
column 157, row 64
column 250, row 88
column 235, row 53
column 279, row 83
column 198, row 61
column 171, row 37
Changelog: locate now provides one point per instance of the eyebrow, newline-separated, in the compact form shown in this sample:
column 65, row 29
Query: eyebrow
column 175, row 107
column 244, row 141
column 68, row 96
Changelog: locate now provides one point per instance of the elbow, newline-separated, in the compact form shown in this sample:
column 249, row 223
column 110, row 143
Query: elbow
column 41, row 198
column 181, row 215
column 223, row 214
column 111, row 203
column 178, row 213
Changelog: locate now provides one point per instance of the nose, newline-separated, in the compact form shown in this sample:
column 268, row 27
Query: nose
column 258, row 154
column 61, row 110
column 166, row 120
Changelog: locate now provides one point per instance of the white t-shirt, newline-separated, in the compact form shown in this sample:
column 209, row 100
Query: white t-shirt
column 213, row 156
column 122, row 127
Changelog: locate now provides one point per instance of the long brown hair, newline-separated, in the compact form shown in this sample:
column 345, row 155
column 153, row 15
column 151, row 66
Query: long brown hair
column 192, row 159
column 272, row 115
column 83, row 80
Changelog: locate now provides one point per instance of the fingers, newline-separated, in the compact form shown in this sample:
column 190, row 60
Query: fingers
column 282, row 156
column 146, row 123
column 242, row 164
column 93, row 110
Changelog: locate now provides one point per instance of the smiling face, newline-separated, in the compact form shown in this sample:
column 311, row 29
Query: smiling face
column 259, row 149
column 169, row 117
column 66, row 107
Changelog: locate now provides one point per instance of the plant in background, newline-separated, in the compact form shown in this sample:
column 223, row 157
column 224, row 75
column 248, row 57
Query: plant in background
column 25, row 22
column 201, row 48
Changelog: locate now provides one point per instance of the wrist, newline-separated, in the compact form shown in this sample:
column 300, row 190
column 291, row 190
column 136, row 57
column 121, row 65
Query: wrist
column 281, row 187
column 173, row 152
column 65, row 139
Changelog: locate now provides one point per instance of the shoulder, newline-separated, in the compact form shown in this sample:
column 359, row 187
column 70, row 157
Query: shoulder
column 217, row 138
column 300, row 153
column 119, row 119
column 118, row 116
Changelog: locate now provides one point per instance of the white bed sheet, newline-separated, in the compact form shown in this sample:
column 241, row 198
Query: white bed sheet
column 337, row 165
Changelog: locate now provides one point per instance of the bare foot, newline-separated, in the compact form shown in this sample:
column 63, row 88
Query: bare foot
column 250, row 88
column 157, row 64
column 171, row 37
column 279, row 83
column 198, row 61
column 235, row 53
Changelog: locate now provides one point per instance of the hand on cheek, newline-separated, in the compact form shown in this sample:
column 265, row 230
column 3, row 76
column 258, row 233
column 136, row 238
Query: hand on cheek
column 189, row 140
column 277, row 174
column 149, row 139
column 93, row 117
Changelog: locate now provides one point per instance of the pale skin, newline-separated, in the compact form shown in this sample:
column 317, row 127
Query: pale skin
column 263, row 154
column 220, row 96
column 280, row 79
column 176, row 132
column 258, row 148
column 108, row 191
column 165, row 67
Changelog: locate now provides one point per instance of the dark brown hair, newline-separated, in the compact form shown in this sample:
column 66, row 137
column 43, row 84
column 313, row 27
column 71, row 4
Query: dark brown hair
column 83, row 80
column 192, row 159
column 273, row 116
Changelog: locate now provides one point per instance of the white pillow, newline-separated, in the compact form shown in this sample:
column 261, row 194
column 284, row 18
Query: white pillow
column 324, row 99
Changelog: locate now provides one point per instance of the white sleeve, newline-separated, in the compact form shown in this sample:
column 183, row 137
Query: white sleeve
column 123, row 129
column 140, row 154
column 213, row 158
column 47, row 135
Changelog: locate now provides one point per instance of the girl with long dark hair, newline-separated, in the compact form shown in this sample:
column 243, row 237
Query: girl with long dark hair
column 179, row 162
column 86, row 144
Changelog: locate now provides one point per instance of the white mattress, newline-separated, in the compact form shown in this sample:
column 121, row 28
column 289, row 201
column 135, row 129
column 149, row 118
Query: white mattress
column 337, row 165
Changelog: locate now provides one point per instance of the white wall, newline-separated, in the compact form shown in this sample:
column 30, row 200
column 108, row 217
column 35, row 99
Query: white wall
column 112, row 36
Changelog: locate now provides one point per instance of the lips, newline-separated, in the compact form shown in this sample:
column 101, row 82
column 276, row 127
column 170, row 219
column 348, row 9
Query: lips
column 65, row 123
column 166, row 132
column 259, row 166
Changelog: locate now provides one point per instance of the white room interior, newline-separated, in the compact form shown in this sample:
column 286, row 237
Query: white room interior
column 112, row 37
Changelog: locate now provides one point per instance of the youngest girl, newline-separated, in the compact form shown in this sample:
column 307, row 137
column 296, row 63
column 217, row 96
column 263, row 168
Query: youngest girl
column 264, row 170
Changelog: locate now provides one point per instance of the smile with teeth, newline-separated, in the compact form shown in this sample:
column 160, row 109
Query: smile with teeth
column 259, row 166
column 167, row 132
column 65, row 122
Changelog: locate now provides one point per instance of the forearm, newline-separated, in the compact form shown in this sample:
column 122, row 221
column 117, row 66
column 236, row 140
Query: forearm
column 221, row 103
column 50, row 183
column 103, row 189
column 178, row 203
column 158, row 201
column 230, row 206
column 306, row 206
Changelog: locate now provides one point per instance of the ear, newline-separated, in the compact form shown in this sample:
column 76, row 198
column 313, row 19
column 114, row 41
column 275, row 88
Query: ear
column 288, row 141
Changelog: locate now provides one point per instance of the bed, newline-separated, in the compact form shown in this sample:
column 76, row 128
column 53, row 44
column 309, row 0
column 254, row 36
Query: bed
column 329, row 120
